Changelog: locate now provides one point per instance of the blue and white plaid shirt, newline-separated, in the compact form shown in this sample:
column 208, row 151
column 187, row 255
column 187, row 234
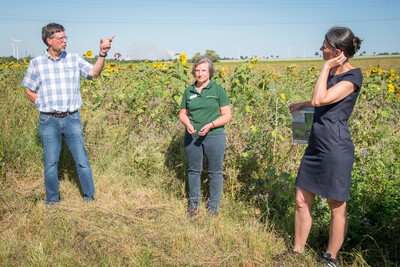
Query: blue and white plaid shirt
column 57, row 82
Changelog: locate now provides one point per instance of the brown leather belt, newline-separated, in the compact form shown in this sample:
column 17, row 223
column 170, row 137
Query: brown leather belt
column 59, row 115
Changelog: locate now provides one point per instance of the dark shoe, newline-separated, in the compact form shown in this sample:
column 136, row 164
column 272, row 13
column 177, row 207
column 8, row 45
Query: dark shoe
column 326, row 260
column 212, row 213
column 51, row 203
column 295, row 253
column 192, row 212
column 88, row 199
column 288, row 256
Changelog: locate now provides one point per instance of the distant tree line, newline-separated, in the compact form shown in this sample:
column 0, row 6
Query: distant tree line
column 209, row 53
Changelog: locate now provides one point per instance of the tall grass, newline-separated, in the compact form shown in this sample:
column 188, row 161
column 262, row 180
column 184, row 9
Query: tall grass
column 139, row 217
column 135, row 147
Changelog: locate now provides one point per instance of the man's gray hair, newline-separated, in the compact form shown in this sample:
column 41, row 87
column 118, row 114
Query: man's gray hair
column 49, row 30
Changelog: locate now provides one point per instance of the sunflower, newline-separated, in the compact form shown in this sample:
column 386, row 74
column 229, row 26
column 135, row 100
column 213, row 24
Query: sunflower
column 254, row 61
column 183, row 59
column 89, row 54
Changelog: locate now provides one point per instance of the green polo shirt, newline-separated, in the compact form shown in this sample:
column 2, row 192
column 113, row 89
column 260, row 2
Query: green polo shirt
column 205, row 107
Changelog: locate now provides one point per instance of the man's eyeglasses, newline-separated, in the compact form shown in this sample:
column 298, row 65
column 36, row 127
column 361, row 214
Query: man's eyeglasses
column 62, row 39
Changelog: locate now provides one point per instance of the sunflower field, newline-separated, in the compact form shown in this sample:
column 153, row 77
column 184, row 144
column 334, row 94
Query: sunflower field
column 132, row 103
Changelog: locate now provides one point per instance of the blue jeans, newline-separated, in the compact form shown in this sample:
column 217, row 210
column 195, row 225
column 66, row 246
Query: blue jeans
column 50, row 130
column 213, row 147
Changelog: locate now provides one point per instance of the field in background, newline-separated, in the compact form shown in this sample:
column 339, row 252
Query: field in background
column 134, row 142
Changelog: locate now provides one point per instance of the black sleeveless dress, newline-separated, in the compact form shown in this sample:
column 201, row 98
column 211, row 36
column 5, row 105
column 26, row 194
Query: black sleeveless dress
column 326, row 166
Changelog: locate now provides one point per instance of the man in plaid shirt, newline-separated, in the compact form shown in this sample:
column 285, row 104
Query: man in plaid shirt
column 52, row 82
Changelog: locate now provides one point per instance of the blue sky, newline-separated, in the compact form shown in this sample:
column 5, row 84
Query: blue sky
column 156, row 29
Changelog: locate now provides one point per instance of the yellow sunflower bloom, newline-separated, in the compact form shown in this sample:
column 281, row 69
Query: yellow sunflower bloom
column 183, row 59
column 89, row 54
column 283, row 96
column 254, row 61
column 391, row 87
column 156, row 64
column 223, row 72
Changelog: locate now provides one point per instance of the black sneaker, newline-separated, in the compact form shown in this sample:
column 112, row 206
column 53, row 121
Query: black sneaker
column 88, row 199
column 294, row 253
column 212, row 213
column 288, row 256
column 192, row 212
column 326, row 260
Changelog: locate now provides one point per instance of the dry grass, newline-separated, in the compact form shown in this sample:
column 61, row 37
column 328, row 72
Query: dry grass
column 135, row 225
column 136, row 219
column 139, row 217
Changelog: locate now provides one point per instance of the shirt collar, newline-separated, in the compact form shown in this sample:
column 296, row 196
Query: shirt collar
column 63, row 55
column 208, row 86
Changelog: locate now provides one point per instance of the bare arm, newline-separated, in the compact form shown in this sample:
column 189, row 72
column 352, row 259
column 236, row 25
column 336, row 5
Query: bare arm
column 299, row 106
column 98, row 66
column 321, row 95
column 226, row 116
column 184, row 118
column 31, row 95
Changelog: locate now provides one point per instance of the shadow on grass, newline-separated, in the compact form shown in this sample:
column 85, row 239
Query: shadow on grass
column 66, row 166
column 175, row 159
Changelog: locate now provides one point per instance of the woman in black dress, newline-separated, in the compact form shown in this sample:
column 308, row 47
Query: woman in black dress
column 326, row 166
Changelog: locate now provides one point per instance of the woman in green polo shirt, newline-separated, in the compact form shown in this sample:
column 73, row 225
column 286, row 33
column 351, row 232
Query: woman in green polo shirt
column 204, row 112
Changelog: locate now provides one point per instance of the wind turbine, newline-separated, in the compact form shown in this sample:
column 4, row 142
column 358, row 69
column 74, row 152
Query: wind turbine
column 289, row 50
column 15, row 45
column 238, row 51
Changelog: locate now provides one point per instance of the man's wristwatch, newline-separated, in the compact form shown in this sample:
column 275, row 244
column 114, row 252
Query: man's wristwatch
column 100, row 55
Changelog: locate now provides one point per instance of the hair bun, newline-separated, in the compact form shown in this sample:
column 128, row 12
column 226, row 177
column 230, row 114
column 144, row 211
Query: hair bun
column 356, row 44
